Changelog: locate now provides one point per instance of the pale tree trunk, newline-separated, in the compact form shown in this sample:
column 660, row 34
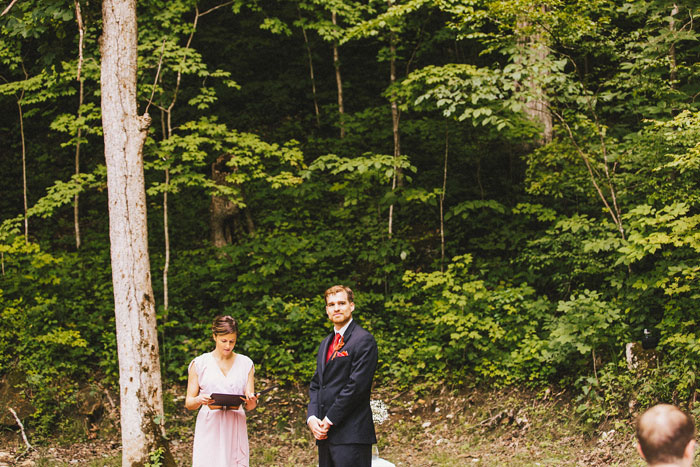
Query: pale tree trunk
column 442, row 202
column 166, row 239
column 395, row 116
column 311, row 70
column 24, row 168
column 533, row 51
column 24, row 157
column 672, row 50
column 81, row 30
column 124, row 136
column 339, row 81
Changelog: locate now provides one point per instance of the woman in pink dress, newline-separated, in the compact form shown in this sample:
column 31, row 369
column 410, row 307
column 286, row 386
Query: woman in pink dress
column 220, row 435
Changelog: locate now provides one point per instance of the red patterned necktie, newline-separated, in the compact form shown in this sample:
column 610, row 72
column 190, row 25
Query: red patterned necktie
column 332, row 347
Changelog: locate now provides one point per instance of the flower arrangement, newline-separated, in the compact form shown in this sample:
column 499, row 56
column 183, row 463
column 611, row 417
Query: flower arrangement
column 380, row 411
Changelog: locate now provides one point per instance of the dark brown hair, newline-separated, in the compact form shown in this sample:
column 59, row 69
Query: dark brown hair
column 663, row 433
column 338, row 289
column 224, row 325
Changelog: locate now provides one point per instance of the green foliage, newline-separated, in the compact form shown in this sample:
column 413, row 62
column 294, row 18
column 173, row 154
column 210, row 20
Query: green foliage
column 35, row 340
column 247, row 156
column 491, row 330
column 584, row 323
column 155, row 458
column 502, row 265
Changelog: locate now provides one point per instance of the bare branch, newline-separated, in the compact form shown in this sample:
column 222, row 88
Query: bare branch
column 6, row 10
column 21, row 427
column 605, row 167
column 215, row 8
column 155, row 81
column 614, row 214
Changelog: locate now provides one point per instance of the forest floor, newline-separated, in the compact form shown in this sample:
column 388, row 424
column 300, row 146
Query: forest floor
column 470, row 427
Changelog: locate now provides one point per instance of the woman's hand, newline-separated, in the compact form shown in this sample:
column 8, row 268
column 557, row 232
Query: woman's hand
column 251, row 400
column 204, row 399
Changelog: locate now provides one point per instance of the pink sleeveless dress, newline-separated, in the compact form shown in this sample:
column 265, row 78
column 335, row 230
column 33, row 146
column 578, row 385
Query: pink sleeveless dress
column 220, row 437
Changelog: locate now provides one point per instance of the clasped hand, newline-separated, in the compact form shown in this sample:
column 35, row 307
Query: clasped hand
column 319, row 428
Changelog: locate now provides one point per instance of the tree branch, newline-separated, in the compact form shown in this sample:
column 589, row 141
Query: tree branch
column 6, row 10
column 21, row 427
column 155, row 81
column 614, row 214
column 215, row 8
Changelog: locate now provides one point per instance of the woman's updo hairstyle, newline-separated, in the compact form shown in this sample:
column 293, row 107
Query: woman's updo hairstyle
column 224, row 325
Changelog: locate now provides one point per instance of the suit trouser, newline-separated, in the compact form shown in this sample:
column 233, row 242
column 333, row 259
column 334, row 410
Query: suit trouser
column 344, row 455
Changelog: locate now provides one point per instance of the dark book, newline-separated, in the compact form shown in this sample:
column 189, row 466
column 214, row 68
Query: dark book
column 227, row 400
column 232, row 400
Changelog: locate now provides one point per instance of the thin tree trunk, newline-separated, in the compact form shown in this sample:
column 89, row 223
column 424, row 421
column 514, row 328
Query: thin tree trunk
column 442, row 202
column 311, row 70
column 124, row 136
column 166, row 234
column 395, row 116
column 166, row 267
column 611, row 207
column 76, row 210
column 672, row 49
column 24, row 166
column 339, row 81
column 482, row 193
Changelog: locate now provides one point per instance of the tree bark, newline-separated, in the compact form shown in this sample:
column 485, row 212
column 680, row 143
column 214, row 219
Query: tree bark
column 225, row 215
column 134, row 306
column 532, row 52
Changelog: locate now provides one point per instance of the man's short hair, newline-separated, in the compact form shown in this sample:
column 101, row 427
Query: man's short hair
column 340, row 288
column 663, row 433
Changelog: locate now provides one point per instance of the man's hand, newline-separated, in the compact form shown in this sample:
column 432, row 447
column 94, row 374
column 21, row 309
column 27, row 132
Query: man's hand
column 318, row 428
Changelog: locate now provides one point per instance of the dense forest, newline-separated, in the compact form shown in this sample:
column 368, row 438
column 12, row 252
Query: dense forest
column 509, row 186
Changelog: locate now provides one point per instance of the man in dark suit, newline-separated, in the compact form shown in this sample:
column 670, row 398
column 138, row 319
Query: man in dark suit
column 339, row 414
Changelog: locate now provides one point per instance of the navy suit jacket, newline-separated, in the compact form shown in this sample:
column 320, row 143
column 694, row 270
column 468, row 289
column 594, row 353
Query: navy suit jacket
column 340, row 389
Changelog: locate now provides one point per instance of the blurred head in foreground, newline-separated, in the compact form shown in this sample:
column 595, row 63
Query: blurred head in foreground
column 666, row 436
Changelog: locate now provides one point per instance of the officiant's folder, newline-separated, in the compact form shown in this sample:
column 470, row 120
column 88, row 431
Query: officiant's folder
column 233, row 400
column 227, row 400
